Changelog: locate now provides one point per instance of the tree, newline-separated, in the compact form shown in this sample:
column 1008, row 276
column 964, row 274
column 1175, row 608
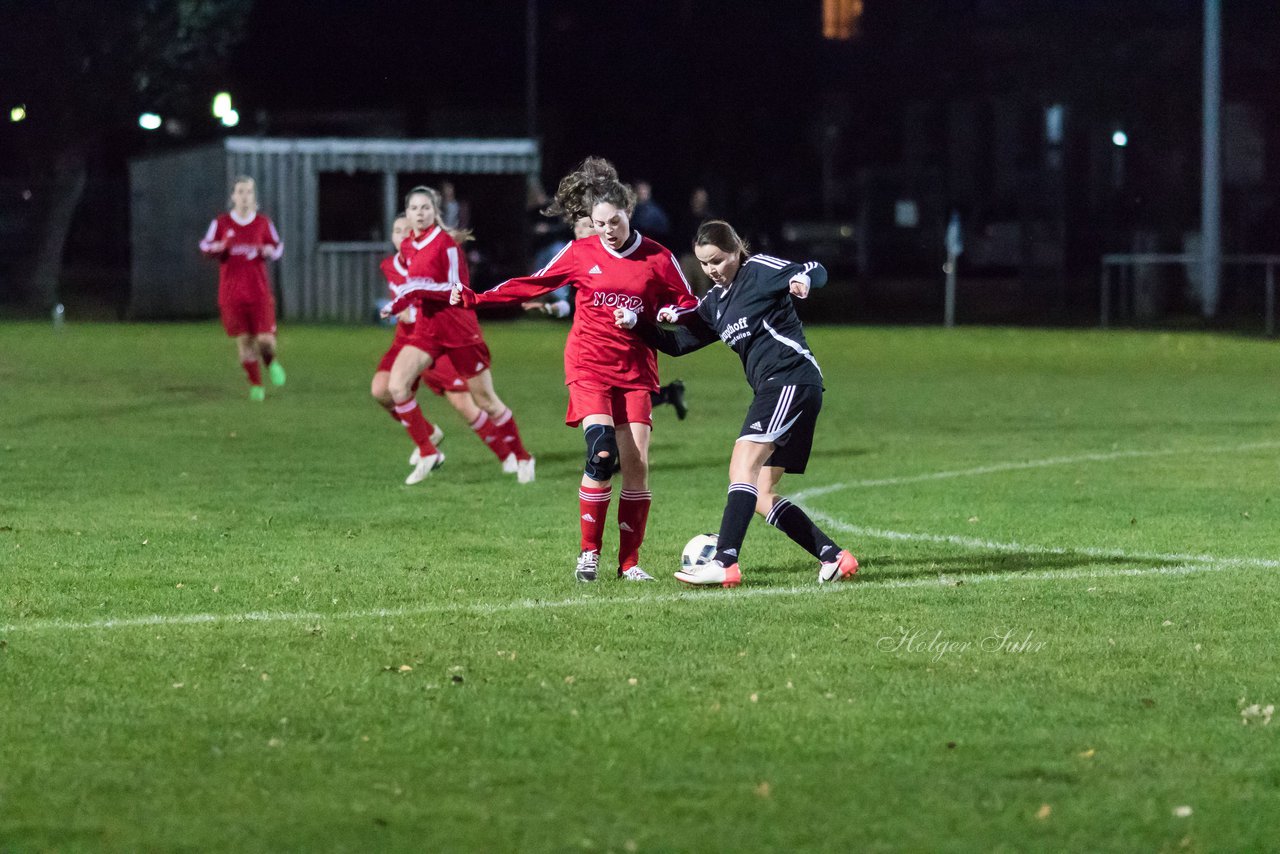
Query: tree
column 85, row 71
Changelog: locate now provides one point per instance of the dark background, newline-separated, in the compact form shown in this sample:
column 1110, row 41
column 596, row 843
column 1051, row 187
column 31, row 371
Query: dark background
column 940, row 102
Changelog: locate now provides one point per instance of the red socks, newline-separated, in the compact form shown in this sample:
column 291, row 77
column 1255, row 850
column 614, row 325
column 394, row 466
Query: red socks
column 254, row 370
column 505, row 426
column 419, row 428
column 633, row 515
column 593, row 507
column 483, row 427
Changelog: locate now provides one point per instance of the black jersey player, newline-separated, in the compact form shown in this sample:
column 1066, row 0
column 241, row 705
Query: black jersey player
column 750, row 309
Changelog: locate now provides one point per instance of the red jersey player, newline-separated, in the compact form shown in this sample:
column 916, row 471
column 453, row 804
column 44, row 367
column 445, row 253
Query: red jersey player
column 433, row 262
column 243, row 240
column 442, row 378
column 610, row 371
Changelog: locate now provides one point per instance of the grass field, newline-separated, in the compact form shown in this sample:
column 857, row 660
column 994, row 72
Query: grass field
column 228, row 626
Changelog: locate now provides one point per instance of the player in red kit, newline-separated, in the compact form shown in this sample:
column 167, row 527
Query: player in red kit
column 442, row 378
column 243, row 240
column 610, row 371
column 433, row 262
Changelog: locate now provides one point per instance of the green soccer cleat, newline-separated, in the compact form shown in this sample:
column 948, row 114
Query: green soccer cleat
column 257, row 393
column 276, row 372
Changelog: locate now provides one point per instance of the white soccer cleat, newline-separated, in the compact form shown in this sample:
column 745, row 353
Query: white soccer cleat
column 635, row 573
column 842, row 568
column 424, row 468
column 588, row 563
column 711, row 574
column 510, row 465
column 437, row 436
column 524, row 470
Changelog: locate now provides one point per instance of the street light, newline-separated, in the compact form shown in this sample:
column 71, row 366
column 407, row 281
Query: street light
column 221, row 105
column 149, row 121
column 1119, row 139
column 230, row 118
column 18, row 113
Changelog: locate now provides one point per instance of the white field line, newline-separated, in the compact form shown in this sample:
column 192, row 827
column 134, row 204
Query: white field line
column 690, row 597
column 1029, row 548
column 1099, row 457
column 1183, row 564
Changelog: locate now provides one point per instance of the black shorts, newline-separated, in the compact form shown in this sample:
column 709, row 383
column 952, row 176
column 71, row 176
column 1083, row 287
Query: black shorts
column 786, row 416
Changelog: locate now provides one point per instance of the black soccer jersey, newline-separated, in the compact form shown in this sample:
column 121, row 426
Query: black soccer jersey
column 754, row 315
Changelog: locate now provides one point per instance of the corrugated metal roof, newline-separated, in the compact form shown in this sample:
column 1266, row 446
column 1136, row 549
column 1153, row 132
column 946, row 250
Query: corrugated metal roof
column 501, row 156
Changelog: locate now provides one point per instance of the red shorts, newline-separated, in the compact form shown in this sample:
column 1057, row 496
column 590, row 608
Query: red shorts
column 442, row 376
column 625, row 405
column 249, row 317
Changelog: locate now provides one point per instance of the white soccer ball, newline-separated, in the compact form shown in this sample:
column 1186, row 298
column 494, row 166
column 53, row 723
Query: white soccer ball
column 700, row 550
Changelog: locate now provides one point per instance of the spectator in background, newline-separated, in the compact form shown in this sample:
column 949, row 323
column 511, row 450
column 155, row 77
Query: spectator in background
column 455, row 214
column 650, row 219
column 546, row 237
column 698, row 213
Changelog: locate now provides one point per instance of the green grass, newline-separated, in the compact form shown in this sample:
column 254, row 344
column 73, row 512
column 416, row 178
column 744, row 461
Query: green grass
column 338, row 662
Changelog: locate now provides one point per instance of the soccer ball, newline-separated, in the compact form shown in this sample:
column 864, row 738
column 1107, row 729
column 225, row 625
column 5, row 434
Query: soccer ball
column 700, row 550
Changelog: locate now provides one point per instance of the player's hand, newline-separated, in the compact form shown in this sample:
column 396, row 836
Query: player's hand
column 534, row 305
column 667, row 314
column 624, row 318
column 462, row 295
column 455, row 296
column 799, row 286
column 385, row 311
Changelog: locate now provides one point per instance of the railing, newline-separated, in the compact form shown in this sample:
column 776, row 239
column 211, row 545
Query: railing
column 1124, row 265
column 347, row 281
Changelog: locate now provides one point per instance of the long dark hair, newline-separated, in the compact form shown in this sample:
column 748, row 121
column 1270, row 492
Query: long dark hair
column 593, row 182
column 718, row 233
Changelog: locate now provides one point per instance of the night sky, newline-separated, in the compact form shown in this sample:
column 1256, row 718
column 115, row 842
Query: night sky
column 670, row 90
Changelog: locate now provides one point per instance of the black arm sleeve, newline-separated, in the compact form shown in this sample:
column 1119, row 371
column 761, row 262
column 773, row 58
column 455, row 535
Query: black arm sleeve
column 816, row 272
column 678, row 340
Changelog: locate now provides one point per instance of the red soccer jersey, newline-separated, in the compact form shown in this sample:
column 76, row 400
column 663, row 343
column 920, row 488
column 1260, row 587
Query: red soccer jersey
column 434, row 263
column 644, row 277
column 396, row 272
column 243, row 248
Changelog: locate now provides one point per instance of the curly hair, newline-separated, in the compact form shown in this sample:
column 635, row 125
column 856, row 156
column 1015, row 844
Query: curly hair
column 459, row 235
column 593, row 182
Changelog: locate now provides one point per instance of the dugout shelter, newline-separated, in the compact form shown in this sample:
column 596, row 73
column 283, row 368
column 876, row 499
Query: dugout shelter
column 332, row 200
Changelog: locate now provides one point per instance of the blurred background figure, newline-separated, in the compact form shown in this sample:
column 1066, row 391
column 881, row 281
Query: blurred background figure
column 650, row 219
column 699, row 212
column 454, row 213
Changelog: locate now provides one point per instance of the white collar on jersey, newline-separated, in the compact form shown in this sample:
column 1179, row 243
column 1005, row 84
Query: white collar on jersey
column 633, row 241
column 398, row 263
column 239, row 221
column 430, row 236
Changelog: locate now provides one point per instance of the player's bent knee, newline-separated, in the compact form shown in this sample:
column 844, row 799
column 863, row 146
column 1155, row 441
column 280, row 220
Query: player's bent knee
column 602, row 452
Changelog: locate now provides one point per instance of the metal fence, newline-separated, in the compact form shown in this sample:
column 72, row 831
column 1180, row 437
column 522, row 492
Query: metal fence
column 1119, row 291
column 348, row 280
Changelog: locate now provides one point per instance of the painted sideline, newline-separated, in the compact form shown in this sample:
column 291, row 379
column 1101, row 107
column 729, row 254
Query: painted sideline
column 995, row 468
column 720, row 597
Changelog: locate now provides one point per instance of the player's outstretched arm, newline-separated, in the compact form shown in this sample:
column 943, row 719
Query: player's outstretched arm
column 693, row 335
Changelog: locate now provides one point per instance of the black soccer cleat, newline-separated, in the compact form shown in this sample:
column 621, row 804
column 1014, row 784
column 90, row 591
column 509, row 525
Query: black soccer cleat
column 674, row 392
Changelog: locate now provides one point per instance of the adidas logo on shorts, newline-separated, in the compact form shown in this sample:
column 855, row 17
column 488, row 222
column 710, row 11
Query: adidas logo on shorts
column 756, row 425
